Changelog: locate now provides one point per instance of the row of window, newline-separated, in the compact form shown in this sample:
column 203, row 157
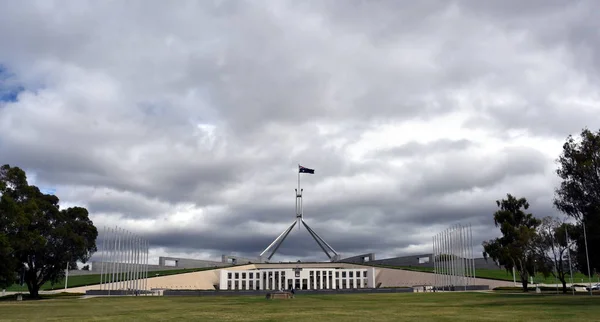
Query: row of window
column 282, row 274
column 297, row 284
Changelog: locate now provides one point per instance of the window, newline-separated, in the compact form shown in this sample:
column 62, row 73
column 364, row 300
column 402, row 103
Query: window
column 250, row 275
column 243, row 275
column 229, row 275
column 237, row 275
column 350, row 274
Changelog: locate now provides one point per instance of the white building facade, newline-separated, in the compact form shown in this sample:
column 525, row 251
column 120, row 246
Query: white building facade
column 297, row 278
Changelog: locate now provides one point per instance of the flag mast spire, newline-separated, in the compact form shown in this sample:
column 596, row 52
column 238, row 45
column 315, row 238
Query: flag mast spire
column 299, row 198
column 274, row 246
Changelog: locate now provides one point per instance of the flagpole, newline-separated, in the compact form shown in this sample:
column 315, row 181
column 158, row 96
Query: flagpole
column 298, row 194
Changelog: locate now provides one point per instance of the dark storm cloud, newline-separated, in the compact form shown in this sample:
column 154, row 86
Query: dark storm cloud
column 298, row 243
column 207, row 106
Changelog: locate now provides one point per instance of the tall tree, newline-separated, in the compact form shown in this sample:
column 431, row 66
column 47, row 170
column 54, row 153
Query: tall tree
column 514, row 248
column 578, row 195
column 42, row 239
column 553, row 246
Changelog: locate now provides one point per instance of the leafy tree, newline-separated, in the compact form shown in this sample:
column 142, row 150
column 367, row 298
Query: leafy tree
column 42, row 239
column 515, row 248
column 578, row 195
column 552, row 247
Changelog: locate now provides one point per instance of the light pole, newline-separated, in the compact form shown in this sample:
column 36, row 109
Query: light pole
column 587, row 257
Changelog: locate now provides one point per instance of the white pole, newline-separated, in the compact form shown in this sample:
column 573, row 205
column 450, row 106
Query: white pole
column 129, row 261
column 468, row 251
column 67, row 275
column 437, row 258
column 102, row 257
column 137, row 261
column 435, row 271
column 473, row 256
column 470, row 254
column 569, row 254
column 443, row 258
column 147, row 255
column 114, row 260
column 453, row 240
column 144, row 267
column 463, row 251
column 448, row 258
column 586, row 255
column 118, row 284
column 135, row 264
column 123, row 271
column 108, row 271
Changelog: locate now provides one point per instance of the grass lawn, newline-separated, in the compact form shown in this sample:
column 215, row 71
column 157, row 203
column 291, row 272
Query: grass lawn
column 83, row 280
column 501, row 274
column 314, row 308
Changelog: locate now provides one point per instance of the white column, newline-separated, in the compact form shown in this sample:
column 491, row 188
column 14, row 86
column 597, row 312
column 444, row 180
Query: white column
column 371, row 277
column 223, row 279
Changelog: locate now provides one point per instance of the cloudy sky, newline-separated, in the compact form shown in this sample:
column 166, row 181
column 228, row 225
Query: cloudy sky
column 185, row 122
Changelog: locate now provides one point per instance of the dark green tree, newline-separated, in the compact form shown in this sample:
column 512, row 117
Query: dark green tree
column 578, row 195
column 41, row 238
column 514, row 249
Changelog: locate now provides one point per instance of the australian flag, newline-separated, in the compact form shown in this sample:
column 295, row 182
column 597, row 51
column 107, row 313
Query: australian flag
column 302, row 169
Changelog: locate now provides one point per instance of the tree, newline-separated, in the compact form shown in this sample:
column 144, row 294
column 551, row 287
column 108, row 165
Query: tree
column 85, row 268
column 41, row 238
column 578, row 195
column 552, row 247
column 514, row 249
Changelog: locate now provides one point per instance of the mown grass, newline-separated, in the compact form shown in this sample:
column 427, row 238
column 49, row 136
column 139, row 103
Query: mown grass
column 503, row 275
column 84, row 280
column 314, row 308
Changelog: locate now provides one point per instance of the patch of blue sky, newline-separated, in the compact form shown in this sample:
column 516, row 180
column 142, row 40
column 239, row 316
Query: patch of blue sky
column 48, row 191
column 10, row 88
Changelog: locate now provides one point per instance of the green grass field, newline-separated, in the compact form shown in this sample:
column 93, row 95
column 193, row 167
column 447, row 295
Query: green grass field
column 83, row 280
column 497, row 274
column 314, row 308
column 503, row 275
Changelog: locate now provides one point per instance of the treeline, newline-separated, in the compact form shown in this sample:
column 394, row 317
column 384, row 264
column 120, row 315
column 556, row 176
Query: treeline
column 549, row 245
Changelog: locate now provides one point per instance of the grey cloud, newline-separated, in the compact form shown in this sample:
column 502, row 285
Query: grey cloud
column 413, row 149
column 463, row 172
